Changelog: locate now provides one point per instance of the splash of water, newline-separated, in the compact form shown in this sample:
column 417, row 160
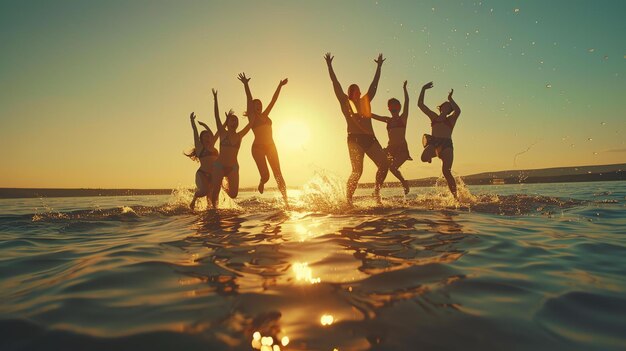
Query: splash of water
column 323, row 192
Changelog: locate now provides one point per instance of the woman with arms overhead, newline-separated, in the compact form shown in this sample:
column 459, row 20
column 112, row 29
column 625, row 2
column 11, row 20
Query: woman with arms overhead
column 361, row 138
column 204, row 151
column 397, row 148
column 440, row 142
column 226, row 165
column 263, row 147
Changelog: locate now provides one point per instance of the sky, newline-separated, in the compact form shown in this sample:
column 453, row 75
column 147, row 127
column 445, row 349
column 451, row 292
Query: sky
column 98, row 93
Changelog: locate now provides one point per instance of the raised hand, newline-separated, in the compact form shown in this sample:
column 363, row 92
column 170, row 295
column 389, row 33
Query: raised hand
column 229, row 113
column 404, row 85
column 242, row 77
column 380, row 59
column 328, row 58
column 192, row 116
column 428, row 85
column 214, row 93
column 450, row 95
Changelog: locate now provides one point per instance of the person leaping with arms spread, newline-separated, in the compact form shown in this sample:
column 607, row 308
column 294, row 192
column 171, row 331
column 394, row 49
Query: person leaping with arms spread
column 263, row 147
column 361, row 138
column 397, row 148
column 440, row 142
column 226, row 165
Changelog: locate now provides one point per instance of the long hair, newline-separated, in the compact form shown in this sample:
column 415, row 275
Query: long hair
column 192, row 153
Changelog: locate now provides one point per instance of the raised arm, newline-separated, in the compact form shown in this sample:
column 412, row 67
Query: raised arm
column 371, row 92
column 420, row 101
column 216, row 110
column 456, row 110
column 405, row 108
column 380, row 118
column 341, row 96
column 245, row 80
column 196, row 137
column 275, row 97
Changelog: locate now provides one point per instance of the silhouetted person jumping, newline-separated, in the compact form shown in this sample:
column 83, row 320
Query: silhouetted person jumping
column 397, row 147
column 263, row 147
column 361, row 138
column 204, row 152
column 440, row 142
column 226, row 165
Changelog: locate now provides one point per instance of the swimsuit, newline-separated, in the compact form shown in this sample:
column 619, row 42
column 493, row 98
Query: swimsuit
column 225, row 141
column 364, row 141
column 398, row 150
column 226, row 170
column 395, row 123
column 208, row 152
column 260, row 121
column 437, row 142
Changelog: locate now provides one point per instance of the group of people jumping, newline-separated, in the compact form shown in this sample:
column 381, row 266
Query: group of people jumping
column 216, row 165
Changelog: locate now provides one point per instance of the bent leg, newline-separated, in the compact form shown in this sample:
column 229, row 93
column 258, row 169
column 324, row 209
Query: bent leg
column 218, row 175
column 272, row 158
column 259, row 154
column 356, row 159
column 447, row 156
column 379, row 156
column 395, row 170
column 233, row 183
column 428, row 153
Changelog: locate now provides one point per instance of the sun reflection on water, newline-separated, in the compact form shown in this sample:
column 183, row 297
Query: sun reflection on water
column 303, row 272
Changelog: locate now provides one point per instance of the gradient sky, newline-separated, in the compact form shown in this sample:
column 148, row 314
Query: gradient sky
column 98, row 93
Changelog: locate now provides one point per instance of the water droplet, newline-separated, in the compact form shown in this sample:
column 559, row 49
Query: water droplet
column 548, row 85
column 571, row 145
column 589, row 139
column 516, row 10
column 606, row 57
column 284, row 340
column 595, row 153
column 433, row 9
column 603, row 123
column 591, row 50
column 532, row 43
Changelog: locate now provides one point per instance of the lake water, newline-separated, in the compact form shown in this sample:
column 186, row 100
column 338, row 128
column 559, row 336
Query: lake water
column 512, row 267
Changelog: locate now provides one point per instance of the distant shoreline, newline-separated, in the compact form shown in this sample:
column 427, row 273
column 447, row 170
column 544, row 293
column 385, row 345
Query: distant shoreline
column 615, row 172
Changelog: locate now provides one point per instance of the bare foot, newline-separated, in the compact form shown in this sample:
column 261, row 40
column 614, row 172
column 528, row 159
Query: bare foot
column 407, row 189
column 192, row 205
column 261, row 186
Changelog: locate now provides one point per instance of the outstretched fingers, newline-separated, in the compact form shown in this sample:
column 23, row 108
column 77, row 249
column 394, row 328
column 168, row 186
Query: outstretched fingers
column 380, row 59
column 242, row 77
column 329, row 58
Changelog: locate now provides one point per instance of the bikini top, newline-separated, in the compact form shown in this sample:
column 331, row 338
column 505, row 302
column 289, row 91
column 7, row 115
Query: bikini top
column 395, row 123
column 225, row 141
column 260, row 121
column 208, row 152
column 445, row 121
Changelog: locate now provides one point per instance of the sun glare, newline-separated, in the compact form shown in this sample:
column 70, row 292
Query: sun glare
column 293, row 134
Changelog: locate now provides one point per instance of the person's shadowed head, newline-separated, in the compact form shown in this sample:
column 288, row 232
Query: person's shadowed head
column 445, row 108
column 232, row 121
column 354, row 92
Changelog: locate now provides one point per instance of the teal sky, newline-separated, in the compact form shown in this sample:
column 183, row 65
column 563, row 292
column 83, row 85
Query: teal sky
column 98, row 93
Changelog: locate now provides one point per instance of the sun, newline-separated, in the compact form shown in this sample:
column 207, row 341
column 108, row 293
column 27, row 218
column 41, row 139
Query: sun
column 293, row 134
